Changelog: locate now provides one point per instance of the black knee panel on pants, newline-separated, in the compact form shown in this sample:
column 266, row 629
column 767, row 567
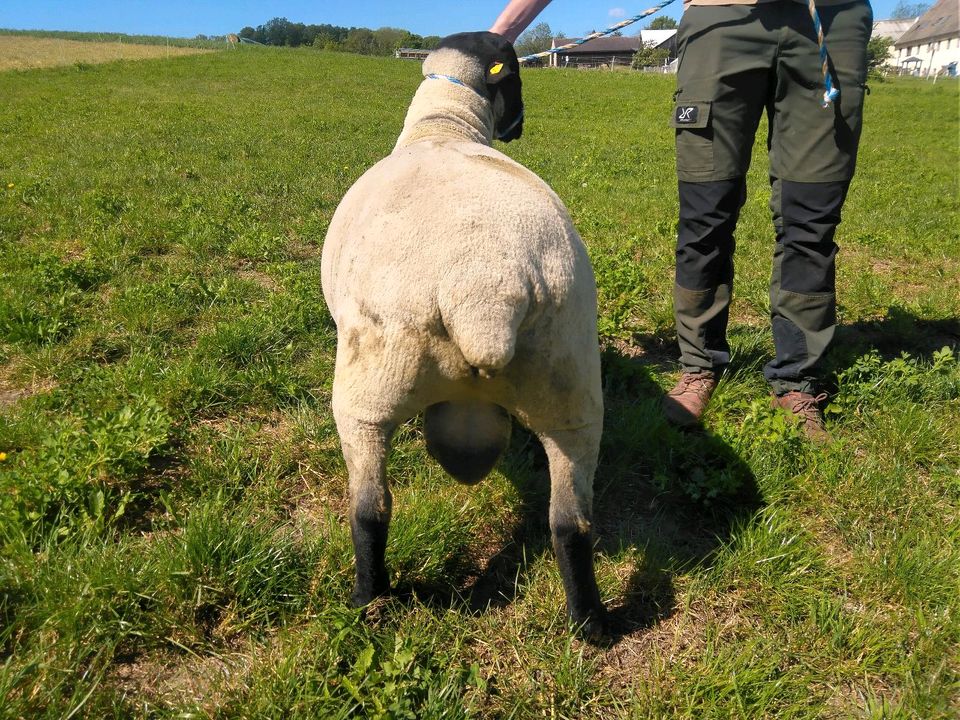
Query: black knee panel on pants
column 810, row 215
column 705, row 244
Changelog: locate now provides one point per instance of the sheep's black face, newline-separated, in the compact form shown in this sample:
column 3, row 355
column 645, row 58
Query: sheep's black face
column 510, row 123
column 501, row 77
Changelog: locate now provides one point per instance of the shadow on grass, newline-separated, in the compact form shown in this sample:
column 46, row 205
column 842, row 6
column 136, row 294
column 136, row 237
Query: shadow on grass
column 669, row 497
column 664, row 500
column 644, row 506
column 645, row 479
column 897, row 332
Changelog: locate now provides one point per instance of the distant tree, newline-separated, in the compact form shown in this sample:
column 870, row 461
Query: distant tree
column 276, row 31
column 430, row 42
column 537, row 39
column 328, row 37
column 360, row 40
column 388, row 39
column 649, row 56
column 411, row 40
column 334, row 32
column 291, row 34
column 664, row 22
column 905, row 10
column 280, row 31
column 256, row 34
column 878, row 49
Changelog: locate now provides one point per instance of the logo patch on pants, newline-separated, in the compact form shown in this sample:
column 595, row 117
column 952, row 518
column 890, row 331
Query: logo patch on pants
column 686, row 114
column 691, row 115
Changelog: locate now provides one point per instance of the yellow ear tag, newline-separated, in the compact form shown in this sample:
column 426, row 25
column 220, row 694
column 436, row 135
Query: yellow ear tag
column 496, row 68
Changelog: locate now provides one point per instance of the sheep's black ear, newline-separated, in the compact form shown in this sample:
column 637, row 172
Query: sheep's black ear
column 498, row 71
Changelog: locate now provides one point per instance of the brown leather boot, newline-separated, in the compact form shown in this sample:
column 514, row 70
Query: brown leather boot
column 684, row 405
column 805, row 408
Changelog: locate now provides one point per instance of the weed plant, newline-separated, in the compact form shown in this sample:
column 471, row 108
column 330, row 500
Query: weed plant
column 173, row 535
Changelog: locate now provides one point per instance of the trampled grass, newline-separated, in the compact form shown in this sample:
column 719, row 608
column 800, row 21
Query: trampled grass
column 172, row 510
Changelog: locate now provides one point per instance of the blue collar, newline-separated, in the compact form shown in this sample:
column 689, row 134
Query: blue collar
column 455, row 81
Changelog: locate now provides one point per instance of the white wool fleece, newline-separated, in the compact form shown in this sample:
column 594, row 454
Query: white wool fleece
column 441, row 107
column 446, row 260
column 450, row 61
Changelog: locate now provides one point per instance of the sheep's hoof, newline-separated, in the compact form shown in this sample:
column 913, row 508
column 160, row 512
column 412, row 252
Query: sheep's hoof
column 363, row 596
column 592, row 627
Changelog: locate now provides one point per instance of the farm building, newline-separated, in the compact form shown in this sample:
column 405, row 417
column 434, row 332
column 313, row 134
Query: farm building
column 411, row 53
column 611, row 51
column 932, row 44
column 892, row 29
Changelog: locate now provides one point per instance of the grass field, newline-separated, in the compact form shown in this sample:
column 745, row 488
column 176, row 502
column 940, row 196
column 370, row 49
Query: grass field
column 172, row 511
column 25, row 52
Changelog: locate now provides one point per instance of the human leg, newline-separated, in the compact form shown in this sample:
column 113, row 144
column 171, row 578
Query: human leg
column 803, row 283
column 715, row 118
column 812, row 158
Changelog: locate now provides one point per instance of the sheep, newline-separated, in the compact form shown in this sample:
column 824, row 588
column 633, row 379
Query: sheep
column 460, row 289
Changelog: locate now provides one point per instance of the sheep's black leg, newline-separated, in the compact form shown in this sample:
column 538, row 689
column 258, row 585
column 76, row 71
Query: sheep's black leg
column 573, row 458
column 369, row 547
column 365, row 449
column 574, row 550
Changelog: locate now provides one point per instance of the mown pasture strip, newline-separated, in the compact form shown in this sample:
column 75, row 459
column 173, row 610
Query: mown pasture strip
column 28, row 53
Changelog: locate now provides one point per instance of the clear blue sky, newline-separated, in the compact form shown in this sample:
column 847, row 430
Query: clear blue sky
column 187, row 18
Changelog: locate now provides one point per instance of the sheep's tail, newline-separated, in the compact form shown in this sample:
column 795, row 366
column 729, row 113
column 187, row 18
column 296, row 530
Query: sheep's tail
column 466, row 438
column 482, row 310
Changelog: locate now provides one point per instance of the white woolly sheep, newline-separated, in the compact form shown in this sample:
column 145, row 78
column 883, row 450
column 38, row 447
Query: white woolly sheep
column 461, row 289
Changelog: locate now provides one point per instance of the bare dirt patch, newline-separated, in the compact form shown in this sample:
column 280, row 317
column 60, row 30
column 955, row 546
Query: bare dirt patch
column 314, row 498
column 678, row 638
column 170, row 681
column 260, row 278
column 12, row 391
column 27, row 53
column 9, row 397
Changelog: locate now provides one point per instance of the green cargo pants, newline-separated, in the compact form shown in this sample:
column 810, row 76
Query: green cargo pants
column 736, row 62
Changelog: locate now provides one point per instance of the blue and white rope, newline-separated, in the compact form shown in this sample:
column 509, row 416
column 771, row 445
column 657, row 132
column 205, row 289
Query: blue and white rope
column 595, row 35
column 831, row 91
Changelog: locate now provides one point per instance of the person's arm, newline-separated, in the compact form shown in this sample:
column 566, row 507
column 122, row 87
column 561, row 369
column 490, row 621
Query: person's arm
column 516, row 16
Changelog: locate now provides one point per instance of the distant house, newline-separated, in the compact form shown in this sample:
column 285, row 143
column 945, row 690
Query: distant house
column 932, row 44
column 411, row 54
column 661, row 38
column 611, row 50
column 892, row 30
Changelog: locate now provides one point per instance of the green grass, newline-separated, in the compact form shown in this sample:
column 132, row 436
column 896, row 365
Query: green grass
column 173, row 538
